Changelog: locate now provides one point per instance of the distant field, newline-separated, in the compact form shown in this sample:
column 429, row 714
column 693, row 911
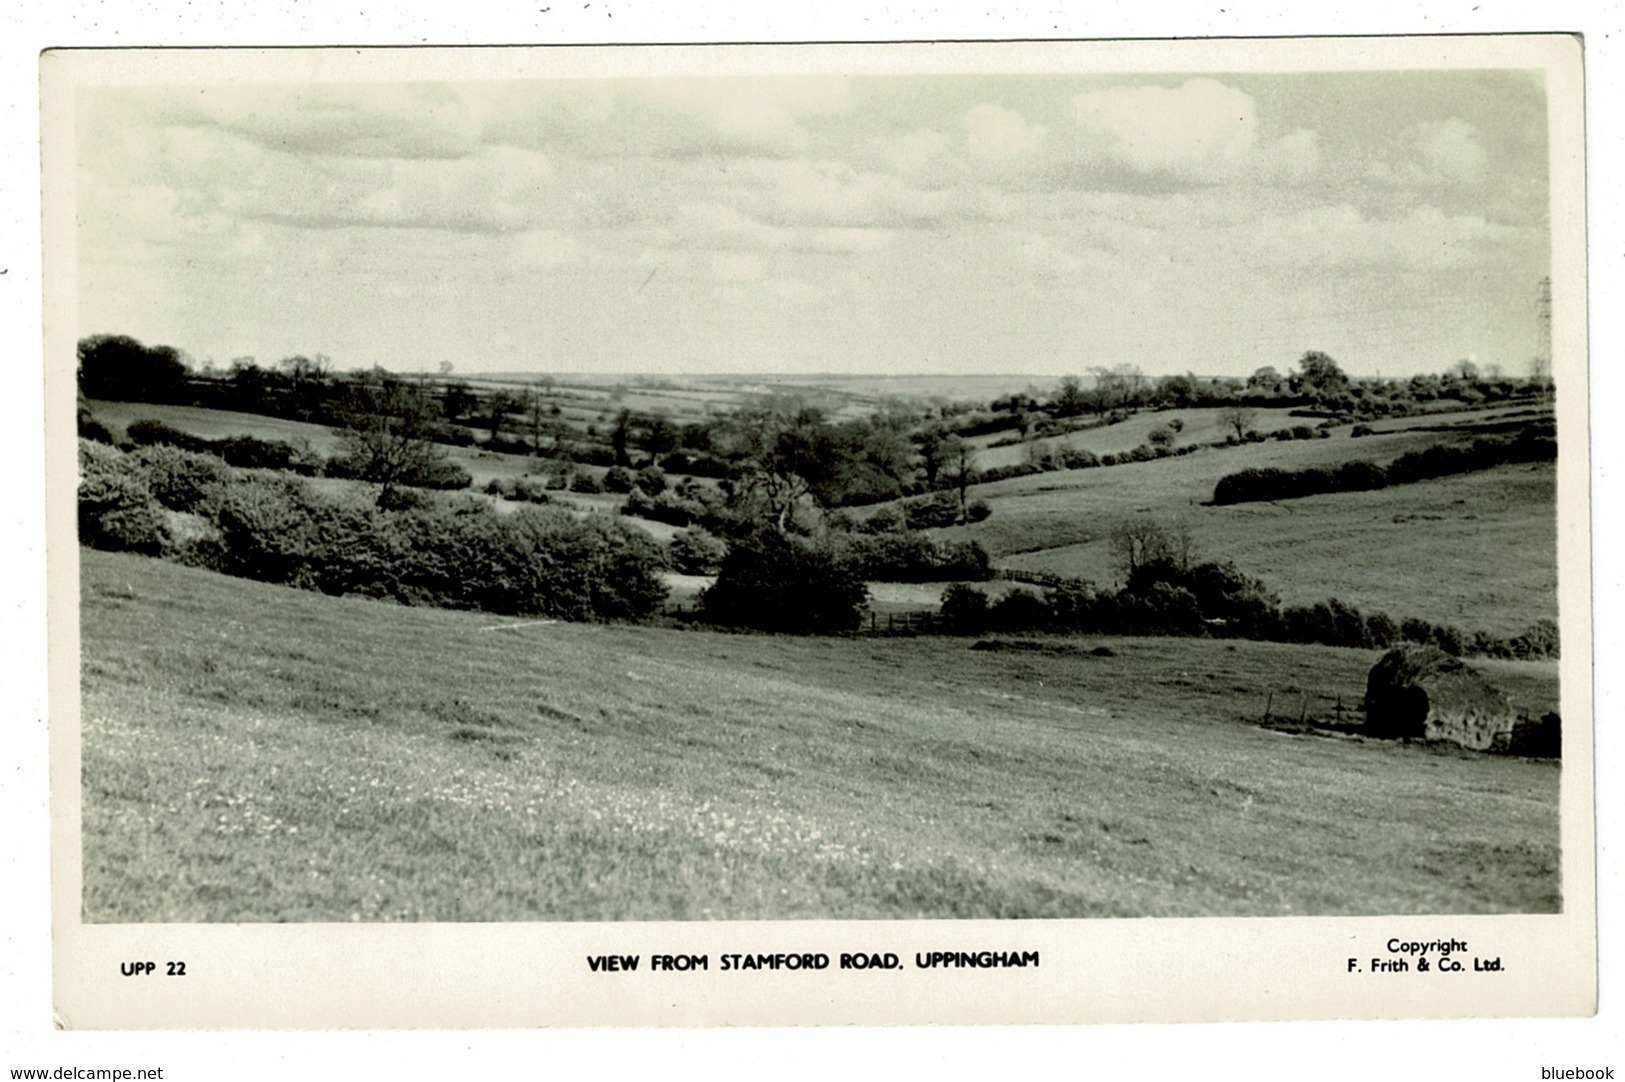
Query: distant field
column 212, row 424
column 216, row 424
column 255, row 753
column 1206, row 426
column 1200, row 426
column 1478, row 550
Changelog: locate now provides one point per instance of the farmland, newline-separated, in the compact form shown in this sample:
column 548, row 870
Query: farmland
column 255, row 752
column 252, row 752
column 1414, row 551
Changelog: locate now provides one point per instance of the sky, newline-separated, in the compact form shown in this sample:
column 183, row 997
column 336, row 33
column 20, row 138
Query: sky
column 921, row 224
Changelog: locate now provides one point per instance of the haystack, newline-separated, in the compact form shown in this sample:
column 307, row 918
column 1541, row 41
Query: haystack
column 1422, row 693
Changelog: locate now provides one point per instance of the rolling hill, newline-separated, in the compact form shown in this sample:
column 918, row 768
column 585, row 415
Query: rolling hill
column 257, row 753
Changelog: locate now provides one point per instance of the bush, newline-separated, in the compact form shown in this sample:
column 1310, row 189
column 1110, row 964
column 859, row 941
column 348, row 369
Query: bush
column 1020, row 610
column 1361, row 430
column 180, row 480
column 931, row 512
column 978, row 511
column 1077, row 458
column 696, row 551
column 191, row 539
column 619, row 479
column 585, row 483
column 117, row 510
column 1540, row 640
column 1330, row 623
column 907, row 556
column 772, row 582
column 253, row 453
column 461, row 555
column 964, row 609
column 147, row 432
column 652, row 480
column 885, row 520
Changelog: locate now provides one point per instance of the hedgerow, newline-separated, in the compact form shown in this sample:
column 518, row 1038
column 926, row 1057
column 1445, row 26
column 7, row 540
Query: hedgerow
column 1165, row 598
column 453, row 553
column 1270, row 483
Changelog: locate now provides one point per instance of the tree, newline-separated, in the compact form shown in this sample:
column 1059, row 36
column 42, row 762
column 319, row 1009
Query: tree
column 307, row 381
column 118, row 367
column 1238, row 417
column 785, row 454
column 1319, row 377
column 1069, row 400
column 774, row 582
column 929, row 442
column 385, row 429
column 961, row 458
column 456, row 399
column 1138, row 541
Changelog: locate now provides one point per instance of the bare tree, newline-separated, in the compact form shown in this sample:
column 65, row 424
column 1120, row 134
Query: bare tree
column 961, row 461
column 385, row 430
column 1138, row 541
column 1238, row 417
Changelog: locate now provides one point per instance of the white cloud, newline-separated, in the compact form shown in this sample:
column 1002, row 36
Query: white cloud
column 1451, row 150
column 1200, row 130
column 381, row 121
column 1434, row 153
column 1340, row 238
column 736, row 266
column 994, row 133
column 721, row 227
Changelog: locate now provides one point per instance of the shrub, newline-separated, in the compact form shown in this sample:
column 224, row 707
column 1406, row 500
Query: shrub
column 696, row 551
column 772, row 582
column 885, row 520
column 652, row 480
column 908, row 556
column 619, row 479
column 585, row 483
column 1020, row 610
column 977, row 511
column 1539, row 640
column 177, row 479
column 964, row 609
column 147, row 432
column 116, row 507
column 191, row 539
column 1078, row 458
column 929, row 512
column 1330, row 623
column 276, row 529
column 1361, row 430
column 1380, row 630
column 251, row 452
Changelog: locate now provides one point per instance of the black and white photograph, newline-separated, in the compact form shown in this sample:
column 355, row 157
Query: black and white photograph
column 963, row 502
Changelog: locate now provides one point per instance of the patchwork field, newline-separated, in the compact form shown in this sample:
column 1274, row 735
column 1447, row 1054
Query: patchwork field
column 255, row 753
column 483, row 466
column 1475, row 550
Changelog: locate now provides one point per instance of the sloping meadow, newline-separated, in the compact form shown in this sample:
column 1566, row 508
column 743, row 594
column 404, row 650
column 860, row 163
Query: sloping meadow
column 256, row 753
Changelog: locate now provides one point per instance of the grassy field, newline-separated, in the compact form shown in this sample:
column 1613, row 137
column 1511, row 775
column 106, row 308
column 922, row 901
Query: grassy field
column 483, row 466
column 255, row 753
column 1475, row 550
